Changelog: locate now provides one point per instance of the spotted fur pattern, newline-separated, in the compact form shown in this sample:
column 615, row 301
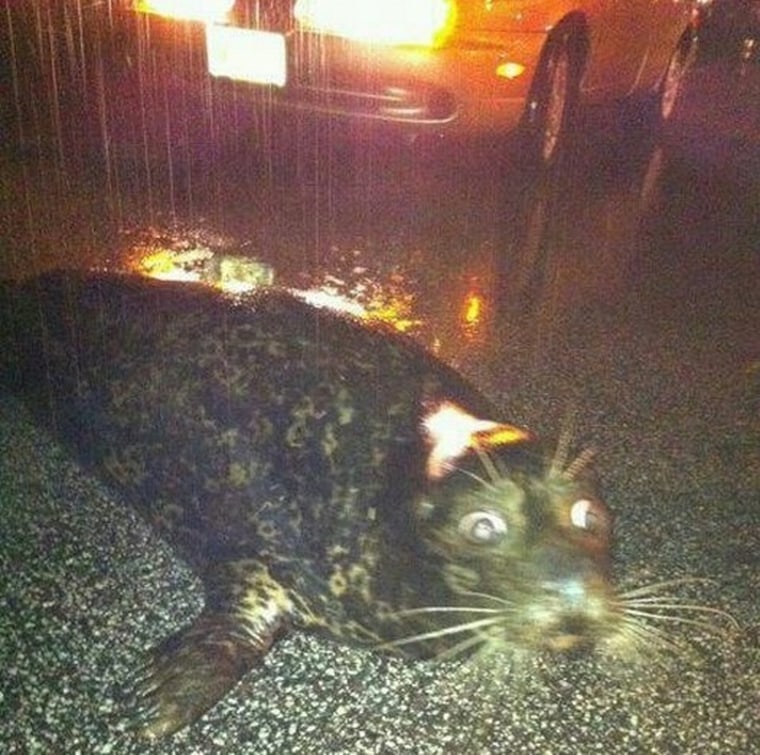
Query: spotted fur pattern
column 282, row 450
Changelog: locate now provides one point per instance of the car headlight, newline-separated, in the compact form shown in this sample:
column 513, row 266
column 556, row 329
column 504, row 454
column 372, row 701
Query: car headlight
column 188, row 10
column 391, row 22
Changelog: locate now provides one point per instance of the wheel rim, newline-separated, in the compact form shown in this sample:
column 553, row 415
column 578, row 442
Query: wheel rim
column 558, row 79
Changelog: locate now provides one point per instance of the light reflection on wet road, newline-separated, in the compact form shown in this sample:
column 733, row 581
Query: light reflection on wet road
column 622, row 289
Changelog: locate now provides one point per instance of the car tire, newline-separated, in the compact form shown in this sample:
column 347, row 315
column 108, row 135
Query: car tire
column 676, row 72
column 553, row 103
column 539, row 173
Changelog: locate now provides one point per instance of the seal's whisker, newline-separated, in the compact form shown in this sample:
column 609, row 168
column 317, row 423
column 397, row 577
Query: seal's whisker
column 654, row 603
column 434, row 634
column 657, row 586
column 650, row 632
column 446, row 609
column 645, row 635
column 675, row 601
column 642, row 633
column 460, row 648
column 673, row 604
column 674, row 619
column 563, row 445
column 487, row 596
column 485, row 483
column 580, row 462
column 488, row 465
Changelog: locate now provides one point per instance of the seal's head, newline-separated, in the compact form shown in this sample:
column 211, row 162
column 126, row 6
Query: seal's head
column 522, row 546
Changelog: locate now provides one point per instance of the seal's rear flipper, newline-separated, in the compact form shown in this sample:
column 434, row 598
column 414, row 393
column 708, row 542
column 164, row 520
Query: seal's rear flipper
column 192, row 670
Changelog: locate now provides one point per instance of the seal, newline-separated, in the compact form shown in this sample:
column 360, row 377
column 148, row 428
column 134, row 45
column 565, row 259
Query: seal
column 316, row 472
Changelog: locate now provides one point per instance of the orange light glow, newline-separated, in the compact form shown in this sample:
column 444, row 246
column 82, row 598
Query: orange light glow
column 167, row 264
column 417, row 22
column 510, row 70
column 231, row 273
column 238, row 274
column 208, row 11
column 472, row 319
column 329, row 300
column 501, row 435
column 473, row 309
column 395, row 311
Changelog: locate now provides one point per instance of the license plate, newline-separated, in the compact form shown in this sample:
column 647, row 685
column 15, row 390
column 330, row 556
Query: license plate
column 246, row 55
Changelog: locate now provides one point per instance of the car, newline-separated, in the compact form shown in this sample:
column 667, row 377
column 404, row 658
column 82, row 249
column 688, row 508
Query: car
column 729, row 29
column 439, row 66
column 715, row 126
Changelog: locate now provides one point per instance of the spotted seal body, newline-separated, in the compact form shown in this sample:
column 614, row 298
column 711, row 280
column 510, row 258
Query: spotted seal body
column 317, row 473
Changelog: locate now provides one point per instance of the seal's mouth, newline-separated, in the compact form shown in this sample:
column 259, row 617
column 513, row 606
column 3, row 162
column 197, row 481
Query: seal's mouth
column 561, row 631
column 573, row 614
column 571, row 634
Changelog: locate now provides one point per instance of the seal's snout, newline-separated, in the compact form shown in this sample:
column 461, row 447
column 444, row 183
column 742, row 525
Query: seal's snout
column 573, row 612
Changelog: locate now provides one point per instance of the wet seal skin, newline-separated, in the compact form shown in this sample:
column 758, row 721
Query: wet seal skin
column 318, row 474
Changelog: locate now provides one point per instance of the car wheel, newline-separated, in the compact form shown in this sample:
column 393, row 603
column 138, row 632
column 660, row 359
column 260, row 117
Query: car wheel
column 553, row 103
column 672, row 81
column 532, row 208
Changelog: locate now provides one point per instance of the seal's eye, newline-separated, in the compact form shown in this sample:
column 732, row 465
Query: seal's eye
column 483, row 527
column 588, row 515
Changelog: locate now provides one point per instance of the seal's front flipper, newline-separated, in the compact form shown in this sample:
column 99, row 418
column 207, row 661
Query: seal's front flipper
column 193, row 669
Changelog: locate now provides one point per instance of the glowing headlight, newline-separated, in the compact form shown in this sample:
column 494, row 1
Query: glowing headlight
column 410, row 22
column 188, row 10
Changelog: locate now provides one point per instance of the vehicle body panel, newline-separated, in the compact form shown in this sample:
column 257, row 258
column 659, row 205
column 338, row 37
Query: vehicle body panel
column 478, row 79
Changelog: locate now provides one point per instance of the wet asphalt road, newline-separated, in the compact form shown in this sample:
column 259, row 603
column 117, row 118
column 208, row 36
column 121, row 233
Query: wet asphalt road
column 642, row 325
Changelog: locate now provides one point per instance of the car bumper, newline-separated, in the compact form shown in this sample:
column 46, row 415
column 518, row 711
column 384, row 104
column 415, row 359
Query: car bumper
column 455, row 88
